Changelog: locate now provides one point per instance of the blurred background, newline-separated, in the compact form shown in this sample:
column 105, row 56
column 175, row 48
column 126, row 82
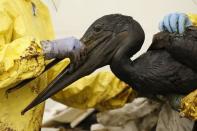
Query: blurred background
column 73, row 17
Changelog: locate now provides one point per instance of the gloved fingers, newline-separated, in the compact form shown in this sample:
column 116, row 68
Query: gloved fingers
column 174, row 22
column 182, row 23
column 72, row 43
column 68, row 44
column 167, row 22
column 188, row 22
column 161, row 26
column 61, row 48
column 78, row 45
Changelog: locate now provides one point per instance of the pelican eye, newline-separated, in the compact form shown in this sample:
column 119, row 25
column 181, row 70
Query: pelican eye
column 97, row 28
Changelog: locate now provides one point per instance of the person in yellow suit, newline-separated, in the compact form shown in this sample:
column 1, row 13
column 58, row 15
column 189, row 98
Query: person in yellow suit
column 177, row 22
column 25, row 26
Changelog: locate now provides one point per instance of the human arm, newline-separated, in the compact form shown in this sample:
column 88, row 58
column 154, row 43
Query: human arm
column 24, row 57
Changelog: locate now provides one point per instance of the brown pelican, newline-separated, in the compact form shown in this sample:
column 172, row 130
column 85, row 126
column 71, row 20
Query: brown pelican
column 113, row 40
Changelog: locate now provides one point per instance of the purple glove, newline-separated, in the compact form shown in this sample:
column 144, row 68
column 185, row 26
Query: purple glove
column 62, row 48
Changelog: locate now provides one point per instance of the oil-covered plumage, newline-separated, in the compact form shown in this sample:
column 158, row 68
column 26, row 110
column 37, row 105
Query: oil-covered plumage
column 156, row 72
column 182, row 47
column 167, row 67
column 112, row 40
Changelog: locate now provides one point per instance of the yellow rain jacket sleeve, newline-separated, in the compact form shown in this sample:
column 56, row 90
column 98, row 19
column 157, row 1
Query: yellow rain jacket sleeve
column 21, row 57
column 189, row 103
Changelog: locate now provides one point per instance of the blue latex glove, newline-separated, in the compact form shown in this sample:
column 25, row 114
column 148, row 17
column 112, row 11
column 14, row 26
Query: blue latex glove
column 62, row 48
column 175, row 22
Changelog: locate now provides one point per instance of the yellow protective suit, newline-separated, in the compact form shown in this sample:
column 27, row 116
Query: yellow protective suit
column 193, row 18
column 21, row 57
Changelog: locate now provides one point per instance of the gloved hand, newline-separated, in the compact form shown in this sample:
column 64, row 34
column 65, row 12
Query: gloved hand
column 62, row 48
column 175, row 22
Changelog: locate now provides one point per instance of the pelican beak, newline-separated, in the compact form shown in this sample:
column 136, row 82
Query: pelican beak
column 99, row 53
column 95, row 58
